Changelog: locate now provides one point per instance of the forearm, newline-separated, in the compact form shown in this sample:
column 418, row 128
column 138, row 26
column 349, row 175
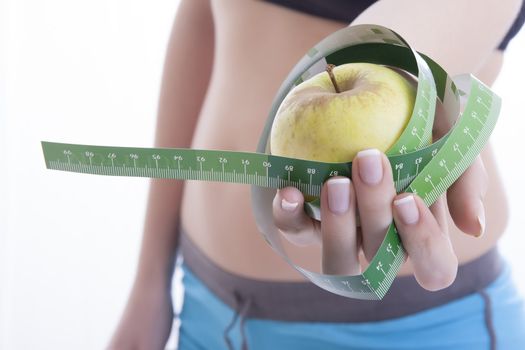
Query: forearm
column 186, row 75
column 159, row 240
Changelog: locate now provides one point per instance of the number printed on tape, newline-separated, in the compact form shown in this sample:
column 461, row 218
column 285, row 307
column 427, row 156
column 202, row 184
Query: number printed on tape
column 418, row 167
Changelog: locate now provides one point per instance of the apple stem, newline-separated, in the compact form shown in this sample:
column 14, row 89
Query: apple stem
column 329, row 70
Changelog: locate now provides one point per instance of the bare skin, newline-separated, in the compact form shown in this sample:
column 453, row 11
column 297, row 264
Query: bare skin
column 236, row 245
column 234, row 74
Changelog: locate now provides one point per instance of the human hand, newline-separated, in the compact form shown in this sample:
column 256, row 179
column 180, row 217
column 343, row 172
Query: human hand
column 423, row 230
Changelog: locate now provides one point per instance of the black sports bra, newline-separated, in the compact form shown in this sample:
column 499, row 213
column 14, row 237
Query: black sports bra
column 346, row 11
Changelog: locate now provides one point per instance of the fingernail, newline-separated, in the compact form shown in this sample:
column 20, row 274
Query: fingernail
column 481, row 220
column 407, row 209
column 288, row 206
column 339, row 195
column 370, row 166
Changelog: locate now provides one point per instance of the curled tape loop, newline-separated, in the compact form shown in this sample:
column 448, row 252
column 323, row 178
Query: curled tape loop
column 418, row 165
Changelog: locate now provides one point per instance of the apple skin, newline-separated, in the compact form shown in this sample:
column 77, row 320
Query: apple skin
column 315, row 122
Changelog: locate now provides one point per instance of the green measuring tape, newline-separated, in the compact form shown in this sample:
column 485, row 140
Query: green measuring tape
column 418, row 165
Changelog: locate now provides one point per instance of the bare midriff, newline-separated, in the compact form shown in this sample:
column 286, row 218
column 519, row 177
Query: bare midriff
column 256, row 46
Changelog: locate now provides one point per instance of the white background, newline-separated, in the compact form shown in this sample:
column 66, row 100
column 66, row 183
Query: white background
column 89, row 72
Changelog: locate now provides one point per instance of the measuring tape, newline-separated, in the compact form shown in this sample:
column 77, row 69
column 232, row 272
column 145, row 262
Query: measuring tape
column 418, row 165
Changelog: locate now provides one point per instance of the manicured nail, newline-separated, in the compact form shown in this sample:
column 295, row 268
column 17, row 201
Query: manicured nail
column 339, row 195
column 481, row 220
column 407, row 209
column 370, row 166
column 288, row 206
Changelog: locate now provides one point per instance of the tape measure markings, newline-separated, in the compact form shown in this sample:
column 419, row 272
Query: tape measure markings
column 417, row 165
column 430, row 188
column 487, row 107
column 208, row 165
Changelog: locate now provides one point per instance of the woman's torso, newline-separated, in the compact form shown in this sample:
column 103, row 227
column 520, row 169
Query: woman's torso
column 256, row 46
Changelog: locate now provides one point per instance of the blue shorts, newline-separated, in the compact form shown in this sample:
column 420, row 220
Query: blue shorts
column 208, row 323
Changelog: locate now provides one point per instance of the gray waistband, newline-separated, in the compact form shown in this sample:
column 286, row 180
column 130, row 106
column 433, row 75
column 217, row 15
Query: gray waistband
column 304, row 301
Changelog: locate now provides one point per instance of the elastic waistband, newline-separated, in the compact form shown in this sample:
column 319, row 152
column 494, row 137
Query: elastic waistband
column 304, row 301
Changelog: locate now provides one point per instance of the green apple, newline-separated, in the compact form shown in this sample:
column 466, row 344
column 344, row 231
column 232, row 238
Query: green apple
column 335, row 114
